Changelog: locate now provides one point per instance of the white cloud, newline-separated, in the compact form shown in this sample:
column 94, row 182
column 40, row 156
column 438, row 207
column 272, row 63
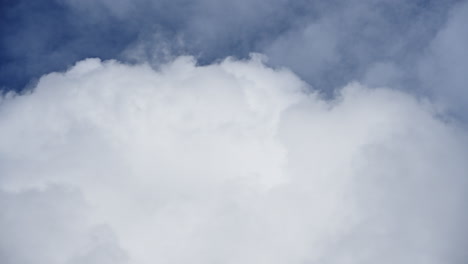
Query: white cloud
column 232, row 162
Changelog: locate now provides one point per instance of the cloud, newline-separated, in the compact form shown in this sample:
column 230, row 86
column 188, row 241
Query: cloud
column 347, row 40
column 158, row 157
column 53, row 225
column 50, row 35
column 232, row 162
column 328, row 44
column 442, row 69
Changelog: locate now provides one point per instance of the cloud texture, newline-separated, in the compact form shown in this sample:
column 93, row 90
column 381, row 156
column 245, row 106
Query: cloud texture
column 143, row 131
column 327, row 43
column 231, row 162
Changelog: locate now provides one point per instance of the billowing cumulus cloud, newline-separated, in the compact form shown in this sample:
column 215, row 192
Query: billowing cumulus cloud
column 348, row 145
column 232, row 162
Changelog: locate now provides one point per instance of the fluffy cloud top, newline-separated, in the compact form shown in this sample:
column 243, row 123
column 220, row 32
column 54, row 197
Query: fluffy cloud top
column 232, row 162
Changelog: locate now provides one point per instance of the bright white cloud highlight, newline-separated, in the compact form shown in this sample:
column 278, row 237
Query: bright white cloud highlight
column 227, row 163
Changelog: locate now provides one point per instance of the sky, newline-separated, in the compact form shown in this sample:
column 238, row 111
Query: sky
column 250, row 131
